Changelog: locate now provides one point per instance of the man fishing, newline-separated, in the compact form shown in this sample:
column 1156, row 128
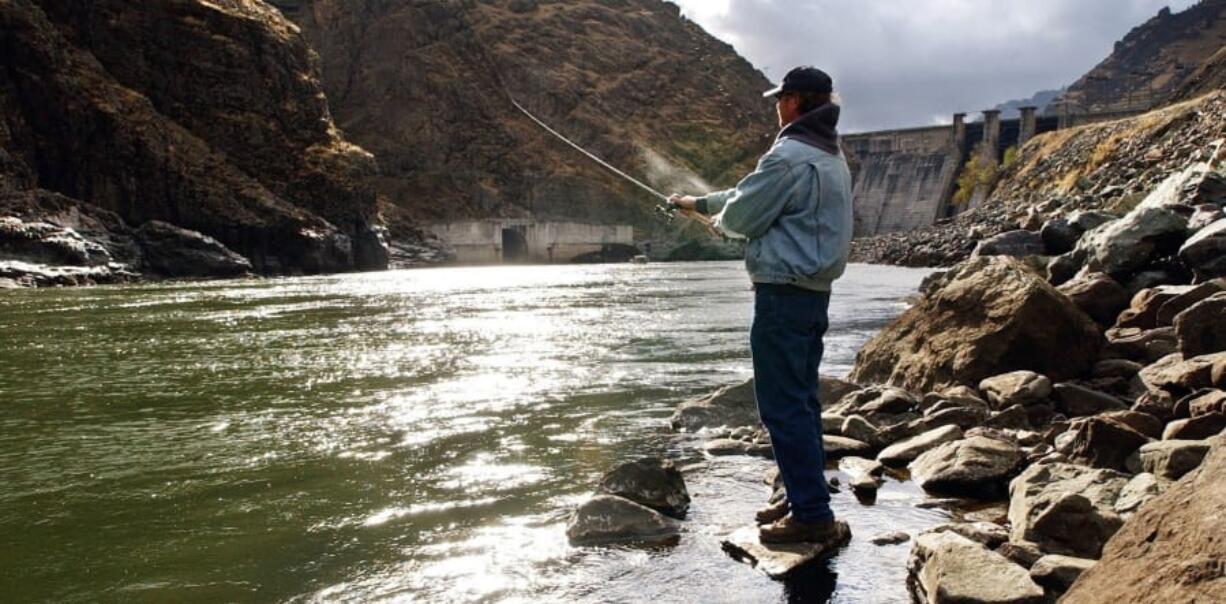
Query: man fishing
column 795, row 209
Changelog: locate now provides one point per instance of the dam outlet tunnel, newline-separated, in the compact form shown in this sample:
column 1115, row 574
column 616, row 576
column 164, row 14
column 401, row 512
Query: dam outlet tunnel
column 514, row 245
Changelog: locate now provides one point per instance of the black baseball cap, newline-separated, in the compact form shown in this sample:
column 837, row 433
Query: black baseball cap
column 803, row 79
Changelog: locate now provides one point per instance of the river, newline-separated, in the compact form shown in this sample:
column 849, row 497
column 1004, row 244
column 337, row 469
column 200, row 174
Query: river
column 410, row 435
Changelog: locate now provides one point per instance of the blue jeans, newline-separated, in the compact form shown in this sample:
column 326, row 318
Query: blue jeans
column 786, row 342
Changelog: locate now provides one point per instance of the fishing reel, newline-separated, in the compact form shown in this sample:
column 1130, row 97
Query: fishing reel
column 667, row 211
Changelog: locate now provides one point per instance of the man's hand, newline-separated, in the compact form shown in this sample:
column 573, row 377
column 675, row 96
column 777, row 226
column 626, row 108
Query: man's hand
column 685, row 202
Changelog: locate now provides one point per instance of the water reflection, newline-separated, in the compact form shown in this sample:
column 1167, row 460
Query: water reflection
column 409, row 435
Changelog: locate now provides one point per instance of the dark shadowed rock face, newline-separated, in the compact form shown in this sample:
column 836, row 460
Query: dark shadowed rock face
column 205, row 115
column 425, row 85
column 988, row 317
column 1176, row 537
column 175, row 252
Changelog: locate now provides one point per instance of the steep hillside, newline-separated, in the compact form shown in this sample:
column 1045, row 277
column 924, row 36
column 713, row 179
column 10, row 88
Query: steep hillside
column 204, row 115
column 1209, row 76
column 426, row 87
column 1152, row 62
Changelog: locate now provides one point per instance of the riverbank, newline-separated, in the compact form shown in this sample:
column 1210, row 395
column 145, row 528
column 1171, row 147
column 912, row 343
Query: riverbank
column 1073, row 374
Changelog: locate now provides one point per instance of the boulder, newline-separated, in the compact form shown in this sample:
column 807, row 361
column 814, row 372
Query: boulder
column 1075, row 400
column 1059, row 236
column 1056, row 573
column 1141, row 422
column 1177, row 376
column 1065, row 508
column 1088, row 220
column 1139, row 491
column 1186, row 300
column 1201, row 328
column 1016, row 388
column 177, row 252
column 988, row 534
column 962, row 417
column 830, row 390
column 838, row 447
column 720, row 447
column 1103, row 443
column 864, row 475
column 894, row 538
column 1117, row 368
column 1123, row 246
column 976, row 467
column 858, row 428
column 1019, row 243
column 779, row 560
column 1207, row 402
column 728, row 406
column 1171, row 459
column 651, row 481
column 1142, row 311
column 1147, row 345
column 1097, row 295
column 947, row 568
column 989, row 316
column 832, row 423
column 1171, row 550
column 1013, row 418
column 607, row 519
column 1023, row 554
column 904, row 452
column 1205, row 252
column 1195, row 428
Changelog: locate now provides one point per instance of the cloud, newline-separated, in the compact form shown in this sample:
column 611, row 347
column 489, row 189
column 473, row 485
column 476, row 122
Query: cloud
column 897, row 63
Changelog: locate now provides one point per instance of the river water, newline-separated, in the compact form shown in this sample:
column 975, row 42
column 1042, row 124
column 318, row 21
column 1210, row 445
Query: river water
column 413, row 435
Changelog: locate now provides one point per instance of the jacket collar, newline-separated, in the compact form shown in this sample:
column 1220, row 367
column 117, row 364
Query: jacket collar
column 817, row 128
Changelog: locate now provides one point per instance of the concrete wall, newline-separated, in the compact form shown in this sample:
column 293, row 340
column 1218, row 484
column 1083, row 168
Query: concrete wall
column 481, row 241
column 905, row 177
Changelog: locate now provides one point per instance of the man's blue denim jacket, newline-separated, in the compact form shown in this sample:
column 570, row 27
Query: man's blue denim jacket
column 795, row 209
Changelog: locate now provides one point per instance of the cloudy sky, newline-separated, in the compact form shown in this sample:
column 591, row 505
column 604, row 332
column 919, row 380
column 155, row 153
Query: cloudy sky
column 899, row 63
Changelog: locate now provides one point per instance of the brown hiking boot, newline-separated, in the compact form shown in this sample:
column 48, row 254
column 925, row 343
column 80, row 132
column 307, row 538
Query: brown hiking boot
column 790, row 530
column 772, row 512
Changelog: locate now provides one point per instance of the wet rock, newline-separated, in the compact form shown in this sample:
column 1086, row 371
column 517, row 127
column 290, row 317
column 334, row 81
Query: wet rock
column 651, row 481
column 1103, row 443
column 726, row 446
column 1074, row 400
column 1201, row 328
column 1097, row 295
column 838, row 447
column 1016, row 388
column 177, row 252
column 1139, row 491
column 1205, row 252
column 1123, row 246
column 990, row 316
column 44, row 243
column 1019, row 243
column 1065, row 508
column 1057, row 573
column 832, row 423
column 606, row 519
column 778, row 560
column 864, row 475
column 976, row 467
column 729, row 406
column 1171, row 459
column 858, row 428
column 949, row 568
column 1177, row 535
column 1195, row 428
column 890, row 539
column 902, row 453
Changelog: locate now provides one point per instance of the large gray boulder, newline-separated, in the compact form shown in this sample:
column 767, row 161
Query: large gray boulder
column 607, row 519
column 177, row 252
column 728, row 406
column 1205, row 252
column 947, row 568
column 651, row 481
column 977, row 467
column 987, row 317
column 1121, row 247
column 1065, row 508
column 1102, row 443
column 1171, row 459
column 1019, row 243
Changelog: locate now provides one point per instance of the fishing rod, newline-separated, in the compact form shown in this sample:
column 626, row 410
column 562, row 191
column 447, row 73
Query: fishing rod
column 666, row 209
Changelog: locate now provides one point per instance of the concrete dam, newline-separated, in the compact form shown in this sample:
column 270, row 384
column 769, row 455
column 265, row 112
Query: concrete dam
column 906, row 179
column 525, row 240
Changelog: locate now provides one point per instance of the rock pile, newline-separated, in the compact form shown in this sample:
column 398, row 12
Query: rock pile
column 637, row 501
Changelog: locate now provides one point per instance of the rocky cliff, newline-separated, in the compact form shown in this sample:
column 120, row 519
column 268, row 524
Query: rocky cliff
column 1153, row 62
column 208, row 116
column 426, row 86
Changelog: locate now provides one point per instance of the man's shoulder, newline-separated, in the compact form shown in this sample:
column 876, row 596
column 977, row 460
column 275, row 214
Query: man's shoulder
column 795, row 152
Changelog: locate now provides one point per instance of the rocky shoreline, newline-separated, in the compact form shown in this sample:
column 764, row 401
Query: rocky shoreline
column 1082, row 391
